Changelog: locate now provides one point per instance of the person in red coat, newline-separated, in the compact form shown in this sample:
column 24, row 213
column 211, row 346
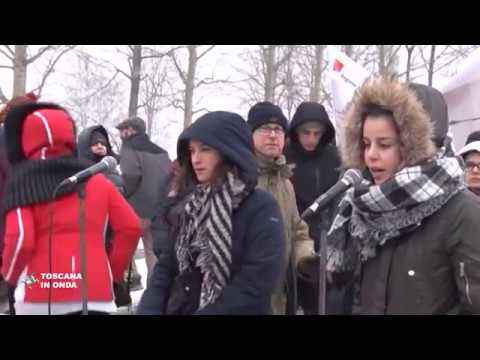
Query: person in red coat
column 42, row 257
column 4, row 171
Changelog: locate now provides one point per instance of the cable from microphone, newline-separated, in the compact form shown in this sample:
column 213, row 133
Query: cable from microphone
column 107, row 163
column 351, row 177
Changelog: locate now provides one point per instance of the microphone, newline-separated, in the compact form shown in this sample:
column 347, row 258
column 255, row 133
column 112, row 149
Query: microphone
column 352, row 177
column 107, row 163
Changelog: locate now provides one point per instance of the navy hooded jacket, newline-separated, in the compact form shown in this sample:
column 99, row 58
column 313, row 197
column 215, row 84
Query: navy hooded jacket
column 257, row 235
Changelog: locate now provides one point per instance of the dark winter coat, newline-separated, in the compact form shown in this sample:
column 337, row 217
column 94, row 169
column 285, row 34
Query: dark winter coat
column 436, row 268
column 145, row 171
column 85, row 153
column 314, row 172
column 433, row 270
column 258, row 244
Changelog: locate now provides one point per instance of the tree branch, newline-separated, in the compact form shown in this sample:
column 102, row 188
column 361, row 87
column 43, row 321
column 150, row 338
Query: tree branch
column 10, row 50
column 179, row 69
column 206, row 51
column 40, row 52
column 284, row 58
column 157, row 54
column 177, row 104
column 123, row 73
column 6, row 55
column 212, row 82
column 199, row 110
column 51, row 67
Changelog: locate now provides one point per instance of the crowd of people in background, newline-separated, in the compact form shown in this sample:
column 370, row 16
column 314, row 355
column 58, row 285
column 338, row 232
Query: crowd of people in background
column 221, row 224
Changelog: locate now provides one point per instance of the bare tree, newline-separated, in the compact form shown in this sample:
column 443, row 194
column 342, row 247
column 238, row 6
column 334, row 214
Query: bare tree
column 430, row 56
column 317, row 74
column 303, row 77
column 188, row 77
column 409, row 49
column 135, row 55
column 387, row 59
column 20, row 70
column 95, row 92
column 263, row 65
column 437, row 58
column 135, row 68
column 20, row 57
column 288, row 90
column 155, row 91
column 361, row 54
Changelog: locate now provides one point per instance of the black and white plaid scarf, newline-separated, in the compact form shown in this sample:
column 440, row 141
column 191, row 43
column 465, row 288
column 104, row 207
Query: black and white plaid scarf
column 207, row 229
column 373, row 214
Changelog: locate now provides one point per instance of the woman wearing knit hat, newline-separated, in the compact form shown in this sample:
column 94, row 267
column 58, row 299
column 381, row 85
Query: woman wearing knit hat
column 410, row 231
column 46, row 260
column 223, row 249
column 471, row 155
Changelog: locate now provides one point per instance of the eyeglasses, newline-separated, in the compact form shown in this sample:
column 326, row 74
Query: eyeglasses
column 267, row 130
column 469, row 165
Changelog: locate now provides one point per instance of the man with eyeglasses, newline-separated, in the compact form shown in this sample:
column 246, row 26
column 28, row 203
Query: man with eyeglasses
column 471, row 155
column 269, row 127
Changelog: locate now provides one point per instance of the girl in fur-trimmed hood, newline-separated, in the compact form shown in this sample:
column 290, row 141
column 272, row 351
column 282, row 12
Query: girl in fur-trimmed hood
column 410, row 231
column 410, row 119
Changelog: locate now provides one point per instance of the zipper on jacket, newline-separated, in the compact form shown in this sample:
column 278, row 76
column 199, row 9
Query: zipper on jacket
column 317, row 178
column 463, row 274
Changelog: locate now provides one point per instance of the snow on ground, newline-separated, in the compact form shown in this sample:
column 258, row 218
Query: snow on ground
column 136, row 295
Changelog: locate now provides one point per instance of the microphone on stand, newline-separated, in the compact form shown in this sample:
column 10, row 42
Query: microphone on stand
column 351, row 177
column 107, row 163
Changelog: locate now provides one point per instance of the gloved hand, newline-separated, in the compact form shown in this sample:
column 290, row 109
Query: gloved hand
column 122, row 296
column 308, row 269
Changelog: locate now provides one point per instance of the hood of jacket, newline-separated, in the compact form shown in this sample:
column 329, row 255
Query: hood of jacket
column 308, row 112
column 413, row 122
column 83, row 143
column 229, row 134
column 39, row 131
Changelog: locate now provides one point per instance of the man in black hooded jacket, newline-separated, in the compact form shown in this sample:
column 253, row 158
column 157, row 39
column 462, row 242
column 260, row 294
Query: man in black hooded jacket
column 313, row 156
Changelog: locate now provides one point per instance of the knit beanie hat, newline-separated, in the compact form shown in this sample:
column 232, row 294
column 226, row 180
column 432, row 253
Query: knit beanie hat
column 265, row 113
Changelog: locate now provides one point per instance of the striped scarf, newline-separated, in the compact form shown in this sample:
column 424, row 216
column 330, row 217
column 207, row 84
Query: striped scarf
column 207, row 229
column 370, row 215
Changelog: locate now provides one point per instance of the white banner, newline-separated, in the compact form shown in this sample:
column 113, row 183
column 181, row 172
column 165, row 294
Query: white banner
column 345, row 76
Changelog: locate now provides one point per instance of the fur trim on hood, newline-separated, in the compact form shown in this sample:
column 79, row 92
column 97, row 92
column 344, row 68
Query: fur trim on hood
column 414, row 123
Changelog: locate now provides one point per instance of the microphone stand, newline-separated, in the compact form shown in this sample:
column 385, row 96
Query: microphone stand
column 50, row 234
column 322, row 278
column 83, row 265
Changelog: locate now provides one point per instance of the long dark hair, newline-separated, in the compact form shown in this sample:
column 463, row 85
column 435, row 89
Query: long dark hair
column 187, row 180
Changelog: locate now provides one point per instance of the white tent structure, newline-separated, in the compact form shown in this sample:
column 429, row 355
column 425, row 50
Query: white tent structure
column 462, row 94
